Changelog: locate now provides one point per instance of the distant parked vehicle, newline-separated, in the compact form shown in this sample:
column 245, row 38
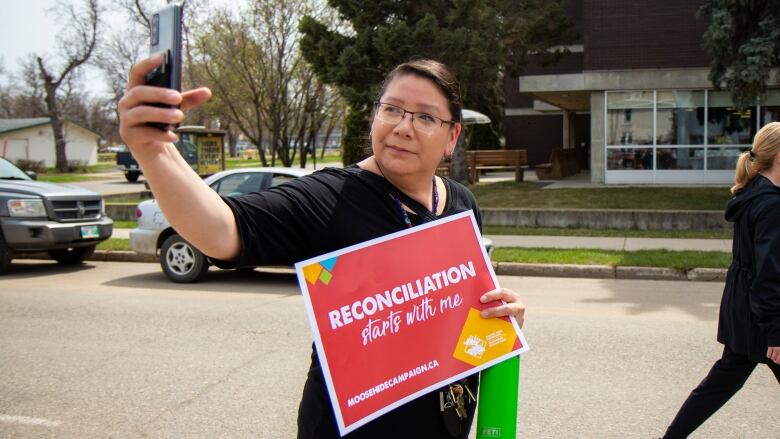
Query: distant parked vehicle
column 202, row 149
column 65, row 221
column 127, row 164
column 180, row 261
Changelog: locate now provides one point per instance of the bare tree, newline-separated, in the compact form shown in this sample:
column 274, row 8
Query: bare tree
column 76, row 47
column 260, row 80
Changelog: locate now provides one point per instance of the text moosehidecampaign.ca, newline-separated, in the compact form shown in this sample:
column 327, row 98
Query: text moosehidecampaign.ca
column 392, row 382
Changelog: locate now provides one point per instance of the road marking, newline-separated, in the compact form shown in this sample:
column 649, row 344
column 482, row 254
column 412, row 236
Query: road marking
column 26, row 420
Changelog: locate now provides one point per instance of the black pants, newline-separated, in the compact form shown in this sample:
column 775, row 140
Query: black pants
column 726, row 377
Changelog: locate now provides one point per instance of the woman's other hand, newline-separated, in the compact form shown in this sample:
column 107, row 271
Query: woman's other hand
column 513, row 305
column 773, row 353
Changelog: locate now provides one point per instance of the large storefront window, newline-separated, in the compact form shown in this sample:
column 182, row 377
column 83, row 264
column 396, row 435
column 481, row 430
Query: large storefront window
column 680, row 136
column 725, row 124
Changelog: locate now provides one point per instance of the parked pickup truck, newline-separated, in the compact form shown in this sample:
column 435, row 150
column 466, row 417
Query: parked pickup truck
column 68, row 222
column 127, row 164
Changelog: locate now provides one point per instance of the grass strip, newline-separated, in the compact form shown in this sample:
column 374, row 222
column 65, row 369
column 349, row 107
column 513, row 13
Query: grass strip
column 237, row 162
column 640, row 258
column 114, row 244
column 610, row 233
column 69, row 178
column 125, row 224
column 529, row 195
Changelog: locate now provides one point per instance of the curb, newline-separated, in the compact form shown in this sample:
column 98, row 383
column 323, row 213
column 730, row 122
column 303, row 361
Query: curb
column 609, row 272
column 501, row 268
column 102, row 256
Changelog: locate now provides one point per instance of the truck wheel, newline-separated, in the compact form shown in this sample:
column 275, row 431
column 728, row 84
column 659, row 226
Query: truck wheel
column 181, row 262
column 72, row 256
column 6, row 254
column 132, row 176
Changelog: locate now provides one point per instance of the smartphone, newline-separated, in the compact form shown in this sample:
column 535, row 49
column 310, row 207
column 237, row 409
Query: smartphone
column 166, row 27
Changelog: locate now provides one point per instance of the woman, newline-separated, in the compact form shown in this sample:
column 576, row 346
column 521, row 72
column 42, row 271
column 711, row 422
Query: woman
column 749, row 324
column 416, row 122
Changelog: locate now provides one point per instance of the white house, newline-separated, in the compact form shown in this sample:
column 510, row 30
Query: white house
column 33, row 139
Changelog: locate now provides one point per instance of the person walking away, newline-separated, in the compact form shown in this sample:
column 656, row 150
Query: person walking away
column 749, row 322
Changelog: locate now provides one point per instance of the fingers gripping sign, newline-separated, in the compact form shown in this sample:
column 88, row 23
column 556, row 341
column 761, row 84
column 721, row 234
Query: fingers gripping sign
column 510, row 305
column 773, row 353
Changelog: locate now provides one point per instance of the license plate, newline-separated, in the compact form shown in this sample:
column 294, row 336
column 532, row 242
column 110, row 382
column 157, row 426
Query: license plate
column 90, row 232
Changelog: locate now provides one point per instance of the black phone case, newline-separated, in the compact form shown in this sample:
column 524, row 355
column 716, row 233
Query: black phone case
column 166, row 40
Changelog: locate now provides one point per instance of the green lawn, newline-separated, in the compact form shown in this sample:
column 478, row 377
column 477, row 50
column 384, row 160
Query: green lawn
column 617, row 233
column 235, row 162
column 52, row 175
column 114, row 244
column 107, row 157
column 511, row 194
column 642, row 258
column 68, row 178
column 126, row 201
column 125, row 224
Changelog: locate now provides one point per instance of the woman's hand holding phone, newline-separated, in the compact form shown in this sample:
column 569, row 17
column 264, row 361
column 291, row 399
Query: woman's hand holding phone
column 140, row 106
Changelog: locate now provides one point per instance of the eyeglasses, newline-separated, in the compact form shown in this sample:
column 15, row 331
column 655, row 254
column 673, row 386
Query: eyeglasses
column 422, row 122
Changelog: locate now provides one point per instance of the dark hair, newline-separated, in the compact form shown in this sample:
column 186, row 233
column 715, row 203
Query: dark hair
column 436, row 72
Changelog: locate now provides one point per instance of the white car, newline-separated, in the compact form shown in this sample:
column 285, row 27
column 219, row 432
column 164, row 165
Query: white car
column 180, row 261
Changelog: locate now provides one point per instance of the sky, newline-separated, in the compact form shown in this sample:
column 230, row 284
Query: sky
column 26, row 27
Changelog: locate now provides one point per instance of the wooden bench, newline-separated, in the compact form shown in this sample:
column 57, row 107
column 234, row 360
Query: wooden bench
column 563, row 163
column 496, row 160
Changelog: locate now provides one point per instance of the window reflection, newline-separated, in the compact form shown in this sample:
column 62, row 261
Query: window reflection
column 630, row 118
column 723, row 158
column 770, row 107
column 680, row 158
column 680, row 118
column 630, row 159
column 725, row 124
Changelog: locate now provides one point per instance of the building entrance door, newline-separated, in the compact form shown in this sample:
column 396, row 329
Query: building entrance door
column 582, row 139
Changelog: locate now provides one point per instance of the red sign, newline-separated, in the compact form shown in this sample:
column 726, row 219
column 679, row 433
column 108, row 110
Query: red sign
column 398, row 316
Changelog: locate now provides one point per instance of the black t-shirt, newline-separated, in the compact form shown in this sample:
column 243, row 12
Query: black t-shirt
column 326, row 211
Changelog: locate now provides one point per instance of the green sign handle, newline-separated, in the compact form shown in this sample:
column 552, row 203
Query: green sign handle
column 497, row 407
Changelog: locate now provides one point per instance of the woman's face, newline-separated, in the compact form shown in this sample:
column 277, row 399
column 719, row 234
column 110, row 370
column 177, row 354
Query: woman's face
column 400, row 148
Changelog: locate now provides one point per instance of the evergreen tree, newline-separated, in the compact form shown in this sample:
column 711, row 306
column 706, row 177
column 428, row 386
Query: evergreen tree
column 743, row 40
column 480, row 39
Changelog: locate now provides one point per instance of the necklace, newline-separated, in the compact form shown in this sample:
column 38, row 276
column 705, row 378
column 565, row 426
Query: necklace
column 399, row 207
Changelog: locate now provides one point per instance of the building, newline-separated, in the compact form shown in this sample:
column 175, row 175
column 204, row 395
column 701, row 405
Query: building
column 633, row 99
column 33, row 139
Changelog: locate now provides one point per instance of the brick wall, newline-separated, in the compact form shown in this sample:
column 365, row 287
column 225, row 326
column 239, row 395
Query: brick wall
column 634, row 34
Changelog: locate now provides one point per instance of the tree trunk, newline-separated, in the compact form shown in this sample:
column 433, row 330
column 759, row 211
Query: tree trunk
column 459, row 170
column 355, row 142
column 57, row 128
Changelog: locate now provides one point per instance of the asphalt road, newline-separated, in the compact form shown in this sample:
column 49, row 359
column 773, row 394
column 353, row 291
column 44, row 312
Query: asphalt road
column 114, row 183
column 114, row 350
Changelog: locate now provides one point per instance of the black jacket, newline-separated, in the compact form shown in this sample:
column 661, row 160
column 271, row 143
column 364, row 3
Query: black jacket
column 750, row 308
